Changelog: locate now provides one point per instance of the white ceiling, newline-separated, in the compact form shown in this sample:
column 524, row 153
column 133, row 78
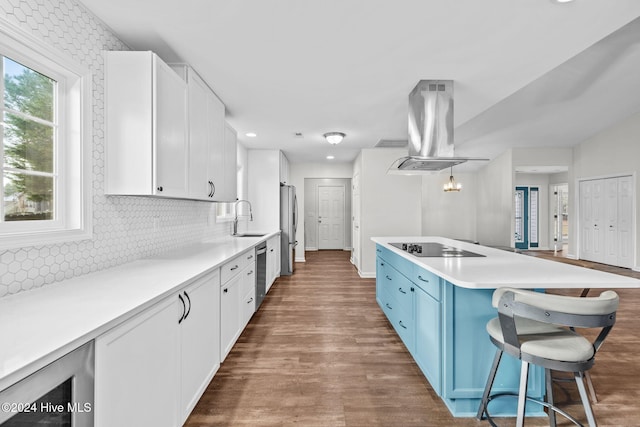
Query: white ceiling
column 287, row 66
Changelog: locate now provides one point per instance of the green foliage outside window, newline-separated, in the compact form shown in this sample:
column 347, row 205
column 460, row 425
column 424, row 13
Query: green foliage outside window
column 28, row 143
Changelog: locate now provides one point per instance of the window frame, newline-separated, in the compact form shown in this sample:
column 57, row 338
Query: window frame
column 72, row 146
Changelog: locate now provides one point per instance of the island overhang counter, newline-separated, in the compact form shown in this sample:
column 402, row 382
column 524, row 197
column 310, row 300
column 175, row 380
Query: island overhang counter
column 439, row 306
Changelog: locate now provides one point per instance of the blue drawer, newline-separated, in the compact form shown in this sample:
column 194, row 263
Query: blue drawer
column 427, row 281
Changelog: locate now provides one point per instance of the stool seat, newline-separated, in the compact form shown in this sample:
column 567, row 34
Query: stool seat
column 546, row 341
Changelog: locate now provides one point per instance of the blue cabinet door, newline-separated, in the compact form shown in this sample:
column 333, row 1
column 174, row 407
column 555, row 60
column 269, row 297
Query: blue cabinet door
column 428, row 343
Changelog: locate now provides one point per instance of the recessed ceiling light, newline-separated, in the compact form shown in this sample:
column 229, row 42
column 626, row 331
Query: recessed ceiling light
column 562, row 1
column 251, row 134
column 330, row 157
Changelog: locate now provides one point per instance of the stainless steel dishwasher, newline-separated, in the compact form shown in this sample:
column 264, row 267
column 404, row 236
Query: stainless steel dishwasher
column 261, row 276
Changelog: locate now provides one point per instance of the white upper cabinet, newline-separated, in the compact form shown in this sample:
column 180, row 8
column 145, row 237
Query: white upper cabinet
column 211, row 153
column 146, row 126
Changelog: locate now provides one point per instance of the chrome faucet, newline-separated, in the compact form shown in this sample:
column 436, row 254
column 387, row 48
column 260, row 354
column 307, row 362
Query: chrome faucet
column 235, row 220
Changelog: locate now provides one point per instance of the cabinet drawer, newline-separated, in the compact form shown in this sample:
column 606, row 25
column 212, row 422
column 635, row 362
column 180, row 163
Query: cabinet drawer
column 236, row 265
column 399, row 287
column 427, row 281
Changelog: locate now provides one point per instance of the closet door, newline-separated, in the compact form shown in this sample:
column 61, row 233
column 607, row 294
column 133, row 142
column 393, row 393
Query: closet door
column 610, row 221
column 625, row 221
column 591, row 227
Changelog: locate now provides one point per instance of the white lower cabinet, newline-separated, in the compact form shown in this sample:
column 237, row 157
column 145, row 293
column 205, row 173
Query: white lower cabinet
column 273, row 260
column 237, row 299
column 200, row 340
column 152, row 369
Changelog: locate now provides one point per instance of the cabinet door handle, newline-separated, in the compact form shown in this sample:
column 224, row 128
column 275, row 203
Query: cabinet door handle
column 401, row 324
column 271, row 250
column 189, row 309
column 209, row 195
column 213, row 188
column 234, row 267
column 378, row 250
column 382, row 264
column 250, row 273
column 160, row 188
column 225, row 290
column 388, row 278
column 423, row 279
column 184, row 309
column 250, row 301
column 401, row 291
column 250, row 256
column 388, row 306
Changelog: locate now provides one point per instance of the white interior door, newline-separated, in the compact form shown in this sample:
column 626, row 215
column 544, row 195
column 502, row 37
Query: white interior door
column 330, row 217
column 355, row 232
column 625, row 221
column 606, row 221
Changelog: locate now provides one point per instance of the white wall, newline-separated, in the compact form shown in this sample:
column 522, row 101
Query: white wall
column 298, row 172
column 264, row 189
column 451, row 214
column 391, row 205
column 615, row 151
column 495, row 202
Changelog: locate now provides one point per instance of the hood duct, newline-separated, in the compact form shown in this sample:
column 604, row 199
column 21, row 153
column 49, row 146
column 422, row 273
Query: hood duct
column 430, row 130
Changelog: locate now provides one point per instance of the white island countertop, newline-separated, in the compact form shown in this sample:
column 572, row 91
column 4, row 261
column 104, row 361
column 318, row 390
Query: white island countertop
column 499, row 268
column 39, row 326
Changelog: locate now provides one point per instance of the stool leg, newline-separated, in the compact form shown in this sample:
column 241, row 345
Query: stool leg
column 592, row 390
column 549, row 381
column 487, row 388
column 522, row 396
column 579, row 376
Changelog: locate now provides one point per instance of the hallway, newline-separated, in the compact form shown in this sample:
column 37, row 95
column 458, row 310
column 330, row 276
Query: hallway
column 320, row 352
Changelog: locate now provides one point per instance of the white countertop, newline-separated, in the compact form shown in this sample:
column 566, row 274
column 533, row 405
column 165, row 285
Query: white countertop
column 501, row 268
column 41, row 325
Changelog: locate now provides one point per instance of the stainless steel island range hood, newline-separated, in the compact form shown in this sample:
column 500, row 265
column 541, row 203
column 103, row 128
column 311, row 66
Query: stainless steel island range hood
column 430, row 130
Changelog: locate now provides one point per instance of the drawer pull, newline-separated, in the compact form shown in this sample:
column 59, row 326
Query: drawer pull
column 234, row 267
column 388, row 306
column 423, row 279
column 388, row 278
column 378, row 250
column 250, row 273
column 401, row 291
column 184, row 309
column 250, row 256
column 225, row 290
column 400, row 322
column 250, row 301
column 189, row 300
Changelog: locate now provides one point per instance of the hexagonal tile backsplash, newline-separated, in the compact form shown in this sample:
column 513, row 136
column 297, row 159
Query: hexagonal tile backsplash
column 124, row 228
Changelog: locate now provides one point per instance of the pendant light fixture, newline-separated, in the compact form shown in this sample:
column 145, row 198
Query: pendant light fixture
column 452, row 185
column 334, row 137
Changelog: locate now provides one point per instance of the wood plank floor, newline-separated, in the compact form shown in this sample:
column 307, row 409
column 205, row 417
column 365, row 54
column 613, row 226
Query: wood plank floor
column 320, row 352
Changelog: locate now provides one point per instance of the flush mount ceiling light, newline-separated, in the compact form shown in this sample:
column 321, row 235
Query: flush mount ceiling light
column 334, row 137
column 251, row 134
column 562, row 1
column 330, row 157
column 452, row 185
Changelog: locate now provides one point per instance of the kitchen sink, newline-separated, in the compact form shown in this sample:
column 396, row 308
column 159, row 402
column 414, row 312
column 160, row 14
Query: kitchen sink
column 250, row 234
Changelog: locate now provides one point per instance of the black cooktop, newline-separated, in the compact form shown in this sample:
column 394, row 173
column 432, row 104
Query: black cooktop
column 433, row 249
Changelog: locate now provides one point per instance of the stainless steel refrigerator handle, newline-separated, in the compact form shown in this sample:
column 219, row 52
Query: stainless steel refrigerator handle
column 295, row 213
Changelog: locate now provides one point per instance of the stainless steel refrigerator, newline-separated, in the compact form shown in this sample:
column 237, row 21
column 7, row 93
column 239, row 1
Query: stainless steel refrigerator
column 288, row 226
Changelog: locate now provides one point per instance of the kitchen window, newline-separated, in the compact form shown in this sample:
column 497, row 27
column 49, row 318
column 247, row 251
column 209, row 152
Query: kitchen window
column 45, row 129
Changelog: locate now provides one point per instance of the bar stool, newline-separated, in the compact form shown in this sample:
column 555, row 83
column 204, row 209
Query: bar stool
column 539, row 329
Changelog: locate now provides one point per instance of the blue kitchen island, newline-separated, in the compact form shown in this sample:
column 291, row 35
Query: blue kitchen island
column 439, row 305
